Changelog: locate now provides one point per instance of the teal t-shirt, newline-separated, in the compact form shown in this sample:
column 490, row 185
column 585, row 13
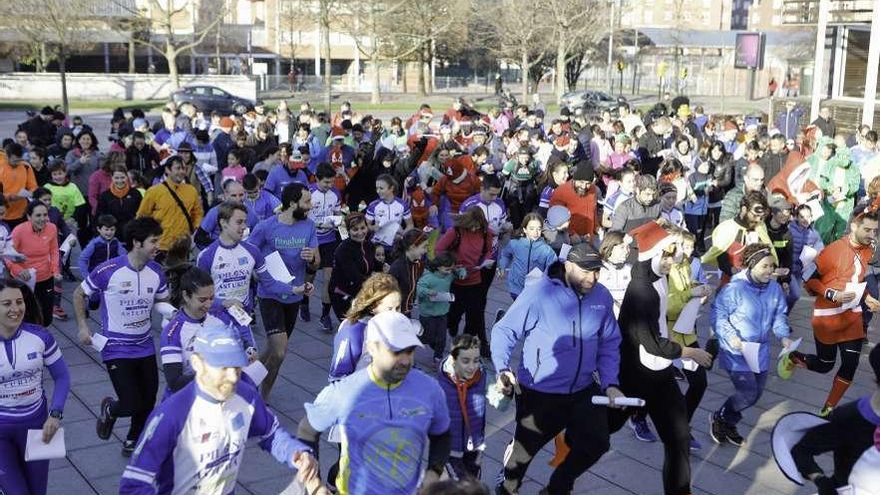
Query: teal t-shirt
column 384, row 429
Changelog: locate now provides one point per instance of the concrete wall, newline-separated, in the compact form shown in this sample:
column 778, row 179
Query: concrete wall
column 82, row 86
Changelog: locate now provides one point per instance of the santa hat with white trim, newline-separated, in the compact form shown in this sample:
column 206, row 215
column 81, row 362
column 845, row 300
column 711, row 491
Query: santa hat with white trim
column 652, row 239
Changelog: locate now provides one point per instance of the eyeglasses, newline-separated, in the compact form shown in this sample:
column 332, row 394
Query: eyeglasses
column 759, row 210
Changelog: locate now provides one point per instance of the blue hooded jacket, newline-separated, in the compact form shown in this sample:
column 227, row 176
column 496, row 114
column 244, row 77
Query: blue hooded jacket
column 521, row 256
column 567, row 336
column 750, row 311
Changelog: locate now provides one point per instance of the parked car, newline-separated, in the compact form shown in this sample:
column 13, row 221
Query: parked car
column 592, row 102
column 211, row 98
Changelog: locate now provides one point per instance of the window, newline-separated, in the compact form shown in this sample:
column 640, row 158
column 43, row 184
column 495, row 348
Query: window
column 856, row 63
column 218, row 92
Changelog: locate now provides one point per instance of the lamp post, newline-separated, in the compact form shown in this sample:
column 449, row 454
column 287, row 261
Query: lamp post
column 611, row 48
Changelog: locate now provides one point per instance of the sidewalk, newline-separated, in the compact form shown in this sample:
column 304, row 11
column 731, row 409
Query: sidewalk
column 94, row 466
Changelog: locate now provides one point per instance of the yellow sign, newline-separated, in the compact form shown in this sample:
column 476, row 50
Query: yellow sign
column 620, row 66
column 661, row 69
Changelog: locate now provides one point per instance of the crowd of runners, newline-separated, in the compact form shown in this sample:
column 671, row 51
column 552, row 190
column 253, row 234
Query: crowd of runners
column 612, row 233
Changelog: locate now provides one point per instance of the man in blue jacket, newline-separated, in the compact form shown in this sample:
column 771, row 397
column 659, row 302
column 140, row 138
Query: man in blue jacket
column 567, row 323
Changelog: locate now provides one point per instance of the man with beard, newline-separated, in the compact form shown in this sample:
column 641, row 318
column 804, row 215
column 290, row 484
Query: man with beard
column 386, row 414
column 580, row 197
column 217, row 412
column 647, row 353
column 295, row 237
column 773, row 161
column 731, row 236
column 837, row 315
column 570, row 337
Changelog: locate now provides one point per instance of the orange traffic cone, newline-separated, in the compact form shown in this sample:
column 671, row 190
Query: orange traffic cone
column 562, row 450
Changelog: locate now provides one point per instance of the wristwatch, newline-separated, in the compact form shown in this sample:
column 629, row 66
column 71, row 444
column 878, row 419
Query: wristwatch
column 55, row 413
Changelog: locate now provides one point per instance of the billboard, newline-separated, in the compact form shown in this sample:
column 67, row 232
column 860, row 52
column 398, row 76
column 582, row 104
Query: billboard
column 749, row 53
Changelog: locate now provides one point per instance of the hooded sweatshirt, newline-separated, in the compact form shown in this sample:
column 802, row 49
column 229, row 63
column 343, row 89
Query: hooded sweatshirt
column 521, row 256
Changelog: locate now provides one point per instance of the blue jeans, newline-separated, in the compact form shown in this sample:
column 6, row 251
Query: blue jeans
column 749, row 388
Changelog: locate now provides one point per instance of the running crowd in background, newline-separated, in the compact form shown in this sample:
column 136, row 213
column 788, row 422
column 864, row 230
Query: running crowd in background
column 611, row 233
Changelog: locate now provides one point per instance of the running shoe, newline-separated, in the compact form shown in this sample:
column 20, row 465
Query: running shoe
column 58, row 312
column 128, row 448
column 326, row 324
column 106, row 420
column 717, row 430
column 733, row 435
column 825, row 411
column 695, row 444
column 641, row 429
column 304, row 314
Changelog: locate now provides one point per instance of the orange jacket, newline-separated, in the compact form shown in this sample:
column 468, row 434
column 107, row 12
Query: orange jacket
column 838, row 264
column 39, row 248
column 584, row 219
column 13, row 180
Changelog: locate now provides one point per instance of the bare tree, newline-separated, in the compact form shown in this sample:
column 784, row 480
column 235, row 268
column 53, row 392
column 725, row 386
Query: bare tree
column 63, row 24
column 574, row 32
column 516, row 34
column 165, row 16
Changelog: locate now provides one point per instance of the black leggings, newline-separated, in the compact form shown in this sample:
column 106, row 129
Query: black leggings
column 667, row 408
column 468, row 303
column 540, row 417
column 697, row 384
column 826, row 355
column 44, row 292
column 136, row 382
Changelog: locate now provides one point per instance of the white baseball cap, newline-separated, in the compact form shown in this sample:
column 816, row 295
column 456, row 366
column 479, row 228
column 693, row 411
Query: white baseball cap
column 394, row 330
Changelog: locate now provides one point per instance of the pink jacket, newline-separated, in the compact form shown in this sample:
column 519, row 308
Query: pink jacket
column 99, row 182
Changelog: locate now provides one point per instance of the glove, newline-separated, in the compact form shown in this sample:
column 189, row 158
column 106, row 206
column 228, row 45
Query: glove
column 825, row 485
column 712, row 348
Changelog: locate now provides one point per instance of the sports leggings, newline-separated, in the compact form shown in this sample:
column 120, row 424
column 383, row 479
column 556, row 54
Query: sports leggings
column 18, row 477
column 826, row 355
column 136, row 382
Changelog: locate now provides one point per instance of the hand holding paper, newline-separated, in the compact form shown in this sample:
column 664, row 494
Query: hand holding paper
column 277, row 268
column 37, row 450
column 751, row 352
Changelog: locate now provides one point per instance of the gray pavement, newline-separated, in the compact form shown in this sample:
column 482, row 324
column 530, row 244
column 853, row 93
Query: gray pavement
column 94, row 466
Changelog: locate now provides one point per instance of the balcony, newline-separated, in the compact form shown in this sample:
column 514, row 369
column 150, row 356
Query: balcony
column 806, row 12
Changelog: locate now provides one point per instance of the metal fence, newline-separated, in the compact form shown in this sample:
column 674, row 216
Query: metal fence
column 272, row 84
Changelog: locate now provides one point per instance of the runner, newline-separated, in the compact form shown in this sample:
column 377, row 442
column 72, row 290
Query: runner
column 326, row 212
column 196, row 439
column 387, row 414
column 29, row 347
column 129, row 286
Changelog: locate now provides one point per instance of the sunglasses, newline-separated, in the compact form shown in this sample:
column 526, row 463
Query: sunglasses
column 758, row 210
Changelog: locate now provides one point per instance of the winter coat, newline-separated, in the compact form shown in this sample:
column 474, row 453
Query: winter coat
column 520, row 256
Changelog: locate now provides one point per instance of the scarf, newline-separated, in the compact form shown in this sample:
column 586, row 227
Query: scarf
column 120, row 193
column 462, row 386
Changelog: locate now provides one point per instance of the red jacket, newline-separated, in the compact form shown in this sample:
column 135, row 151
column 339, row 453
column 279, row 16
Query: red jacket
column 583, row 208
column 455, row 192
column 473, row 249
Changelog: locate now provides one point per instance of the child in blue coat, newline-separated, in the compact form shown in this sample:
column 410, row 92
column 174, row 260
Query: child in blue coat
column 524, row 253
column 747, row 311
column 100, row 249
column 432, row 290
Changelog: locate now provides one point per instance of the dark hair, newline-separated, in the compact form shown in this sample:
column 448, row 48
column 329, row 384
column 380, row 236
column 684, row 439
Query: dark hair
column 32, row 311
column 57, row 165
column 491, row 181
column 40, row 192
column 106, row 221
column 137, row 178
column 89, row 133
column 33, row 205
column 410, row 238
column 192, row 280
column 530, row 217
column 753, row 198
column 354, row 218
column 262, row 174
column 754, row 253
column 390, row 181
column 39, row 150
column 463, row 342
column 325, row 171
column 140, row 228
column 472, row 219
column 441, row 260
column 227, row 208
column 236, row 153
column 291, row 194
column 871, row 136
column 14, row 149
column 250, row 182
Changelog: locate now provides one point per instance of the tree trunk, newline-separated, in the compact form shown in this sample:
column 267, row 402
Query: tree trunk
column 328, row 84
column 62, row 69
column 375, row 96
column 421, row 62
column 41, row 58
column 403, row 84
column 560, row 68
column 171, row 57
column 429, row 67
column 217, row 50
column 525, row 74
column 131, row 54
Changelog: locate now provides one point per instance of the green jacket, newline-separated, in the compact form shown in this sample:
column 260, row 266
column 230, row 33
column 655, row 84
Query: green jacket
column 431, row 283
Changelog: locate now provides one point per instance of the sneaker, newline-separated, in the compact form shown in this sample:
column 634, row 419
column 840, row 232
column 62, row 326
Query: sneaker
column 717, row 429
column 304, row 314
column 786, row 365
column 106, row 421
column 695, row 445
column 326, row 324
column 642, row 431
column 825, row 411
column 499, row 314
column 733, row 436
column 128, row 448
column 58, row 312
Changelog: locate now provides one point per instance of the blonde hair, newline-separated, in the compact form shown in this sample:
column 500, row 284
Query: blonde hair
column 374, row 289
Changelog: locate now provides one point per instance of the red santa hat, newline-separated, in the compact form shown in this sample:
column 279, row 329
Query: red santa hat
column 652, row 239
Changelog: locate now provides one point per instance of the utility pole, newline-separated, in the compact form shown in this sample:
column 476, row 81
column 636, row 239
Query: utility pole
column 610, row 48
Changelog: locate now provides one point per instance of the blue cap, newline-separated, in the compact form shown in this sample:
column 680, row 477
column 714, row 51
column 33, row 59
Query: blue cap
column 220, row 347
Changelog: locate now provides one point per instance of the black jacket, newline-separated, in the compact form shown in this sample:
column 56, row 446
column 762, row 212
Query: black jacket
column 407, row 274
column 353, row 262
column 123, row 209
column 143, row 160
column 772, row 163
